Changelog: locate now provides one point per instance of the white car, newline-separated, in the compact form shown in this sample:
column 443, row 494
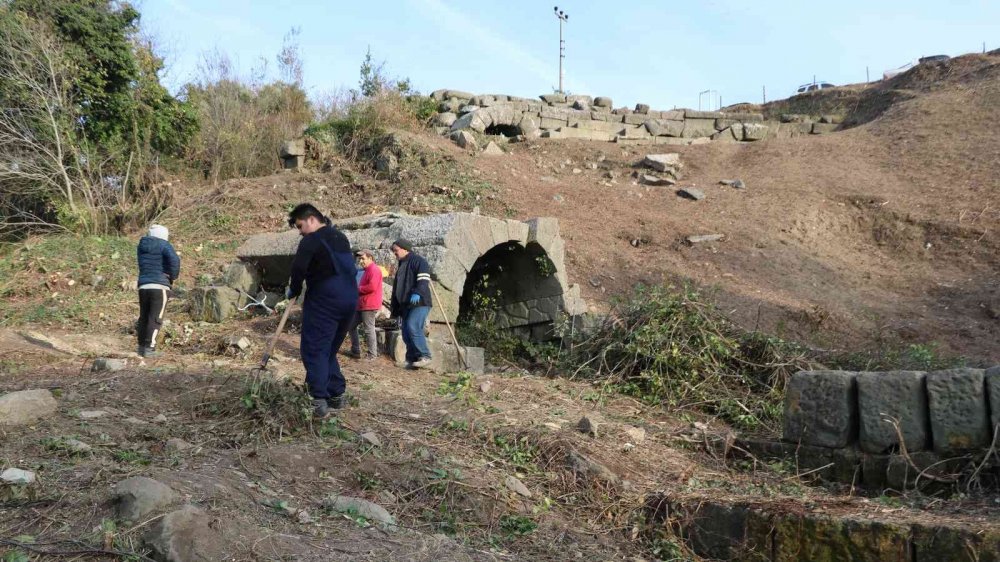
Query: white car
column 813, row 86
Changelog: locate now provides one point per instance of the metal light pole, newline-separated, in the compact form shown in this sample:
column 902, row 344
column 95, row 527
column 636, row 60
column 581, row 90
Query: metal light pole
column 563, row 17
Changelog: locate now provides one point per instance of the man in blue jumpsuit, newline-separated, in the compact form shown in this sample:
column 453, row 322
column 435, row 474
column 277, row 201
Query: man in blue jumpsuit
column 325, row 262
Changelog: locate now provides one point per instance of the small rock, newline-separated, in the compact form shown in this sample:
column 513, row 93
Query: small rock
column 76, row 446
column 592, row 166
column 413, row 416
column 649, row 179
column 558, row 198
column 139, row 496
column 701, row 238
column 17, row 476
column 691, row 193
column 135, row 421
column 176, row 445
column 160, row 418
column 303, row 517
column 464, row 139
column 595, row 282
column 363, row 508
column 187, row 534
column 589, row 468
column 738, row 184
column 371, row 438
column 552, row 426
column 662, row 162
column 107, row 364
column 611, row 174
column 577, row 171
column 547, row 179
column 518, row 487
column 485, row 387
column 636, row 435
column 493, row 149
column 26, row 406
column 92, row 414
column 239, row 342
column 588, row 426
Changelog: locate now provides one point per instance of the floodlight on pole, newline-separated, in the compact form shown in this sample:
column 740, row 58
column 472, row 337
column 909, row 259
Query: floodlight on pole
column 563, row 18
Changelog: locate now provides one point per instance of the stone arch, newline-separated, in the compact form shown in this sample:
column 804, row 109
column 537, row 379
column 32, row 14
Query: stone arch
column 457, row 246
column 519, row 283
column 500, row 118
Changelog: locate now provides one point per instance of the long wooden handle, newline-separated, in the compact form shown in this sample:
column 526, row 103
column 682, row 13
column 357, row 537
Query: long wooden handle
column 274, row 340
column 444, row 314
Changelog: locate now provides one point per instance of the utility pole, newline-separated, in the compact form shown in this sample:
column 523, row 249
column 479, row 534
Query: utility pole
column 868, row 78
column 763, row 94
column 563, row 18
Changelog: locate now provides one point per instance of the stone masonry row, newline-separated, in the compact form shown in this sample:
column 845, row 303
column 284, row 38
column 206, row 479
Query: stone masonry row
column 584, row 117
column 946, row 412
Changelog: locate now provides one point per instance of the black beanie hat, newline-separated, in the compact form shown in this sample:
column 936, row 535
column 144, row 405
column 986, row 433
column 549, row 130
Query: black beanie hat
column 404, row 244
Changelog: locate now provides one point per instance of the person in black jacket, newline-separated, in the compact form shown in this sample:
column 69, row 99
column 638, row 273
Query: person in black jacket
column 411, row 302
column 325, row 263
column 159, row 267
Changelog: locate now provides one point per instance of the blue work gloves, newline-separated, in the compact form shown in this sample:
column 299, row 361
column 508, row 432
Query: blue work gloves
column 414, row 299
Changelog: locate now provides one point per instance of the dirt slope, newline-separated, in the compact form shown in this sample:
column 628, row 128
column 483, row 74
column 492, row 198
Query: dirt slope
column 881, row 232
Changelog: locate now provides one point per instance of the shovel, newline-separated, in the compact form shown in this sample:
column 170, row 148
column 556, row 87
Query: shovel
column 274, row 340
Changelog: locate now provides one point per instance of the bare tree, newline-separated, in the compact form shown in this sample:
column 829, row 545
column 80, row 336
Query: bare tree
column 42, row 168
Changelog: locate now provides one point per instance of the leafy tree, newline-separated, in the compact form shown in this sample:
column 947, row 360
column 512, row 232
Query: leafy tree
column 116, row 87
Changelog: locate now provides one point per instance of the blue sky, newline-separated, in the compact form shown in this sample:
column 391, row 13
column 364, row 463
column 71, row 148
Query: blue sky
column 658, row 52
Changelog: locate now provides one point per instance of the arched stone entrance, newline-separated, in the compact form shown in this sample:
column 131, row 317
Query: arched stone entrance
column 525, row 260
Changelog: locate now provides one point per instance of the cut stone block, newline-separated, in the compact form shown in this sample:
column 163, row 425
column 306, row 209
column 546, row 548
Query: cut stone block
column 293, row 148
column 898, row 395
column 821, row 408
column 958, row 412
column 697, row 128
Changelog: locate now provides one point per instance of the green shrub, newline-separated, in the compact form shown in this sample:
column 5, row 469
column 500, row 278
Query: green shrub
column 670, row 347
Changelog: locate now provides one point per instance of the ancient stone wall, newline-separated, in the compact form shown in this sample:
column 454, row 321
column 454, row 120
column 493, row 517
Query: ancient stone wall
column 853, row 427
column 951, row 411
column 584, row 117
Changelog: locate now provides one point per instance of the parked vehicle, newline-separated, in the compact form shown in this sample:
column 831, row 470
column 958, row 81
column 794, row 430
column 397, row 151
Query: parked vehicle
column 934, row 58
column 813, row 86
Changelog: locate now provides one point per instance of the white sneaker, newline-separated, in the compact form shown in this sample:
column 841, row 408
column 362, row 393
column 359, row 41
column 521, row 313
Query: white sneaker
column 422, row 363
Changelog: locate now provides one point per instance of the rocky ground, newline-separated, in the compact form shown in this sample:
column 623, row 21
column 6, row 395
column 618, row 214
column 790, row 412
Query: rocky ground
column 161, row 458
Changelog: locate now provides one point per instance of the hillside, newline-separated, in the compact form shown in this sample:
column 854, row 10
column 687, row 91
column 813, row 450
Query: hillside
column 873, row 247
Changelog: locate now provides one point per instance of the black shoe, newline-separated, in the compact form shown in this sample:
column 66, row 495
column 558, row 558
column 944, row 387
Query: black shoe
column 354, row 355
column 320, row 409
column 149, row 353
column 337, row 402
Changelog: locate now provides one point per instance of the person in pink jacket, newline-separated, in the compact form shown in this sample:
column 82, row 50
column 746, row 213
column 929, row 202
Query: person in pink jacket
column 369, row 303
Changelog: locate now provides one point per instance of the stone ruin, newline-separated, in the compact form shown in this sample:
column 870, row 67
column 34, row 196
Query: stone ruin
column 519, row 264
column 293, row 154
column 560, row 116
column 855, row 427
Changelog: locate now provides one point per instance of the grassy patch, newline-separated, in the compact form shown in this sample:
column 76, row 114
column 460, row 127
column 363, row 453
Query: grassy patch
column 64, row 279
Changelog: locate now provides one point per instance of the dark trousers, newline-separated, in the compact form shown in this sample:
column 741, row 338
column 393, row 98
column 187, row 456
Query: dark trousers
column 326, row 319
column 152, row 304
column 364, row 318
